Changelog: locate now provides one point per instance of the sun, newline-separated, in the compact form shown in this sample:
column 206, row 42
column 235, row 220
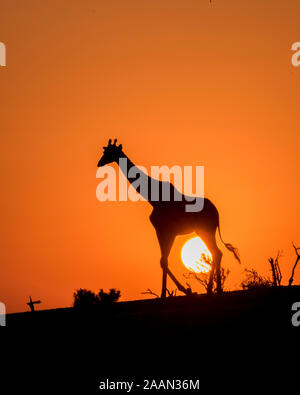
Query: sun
column 195, row 256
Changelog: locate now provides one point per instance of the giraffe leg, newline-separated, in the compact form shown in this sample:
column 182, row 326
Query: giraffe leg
column 210, row 241
column 165, row 241
column 181, row 288
column 164, row 264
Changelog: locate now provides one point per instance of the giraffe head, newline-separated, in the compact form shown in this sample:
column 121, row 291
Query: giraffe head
column 111, row 153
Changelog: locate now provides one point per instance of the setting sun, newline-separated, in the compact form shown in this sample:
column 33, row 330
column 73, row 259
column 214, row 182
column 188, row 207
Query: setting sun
column 195, row 256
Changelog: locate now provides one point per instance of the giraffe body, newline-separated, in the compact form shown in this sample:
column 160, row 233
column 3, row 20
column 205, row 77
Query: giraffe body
column 170, row 219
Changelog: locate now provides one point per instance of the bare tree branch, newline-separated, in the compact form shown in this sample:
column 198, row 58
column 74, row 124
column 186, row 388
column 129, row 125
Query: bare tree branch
column 275, row 268
column 297, row 249
column 203, row 278
column 203, row 281
column 149, row 292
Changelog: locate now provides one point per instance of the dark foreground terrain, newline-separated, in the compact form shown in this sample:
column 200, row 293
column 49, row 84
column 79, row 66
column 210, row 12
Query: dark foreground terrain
column 257, row 309
column 238, row 340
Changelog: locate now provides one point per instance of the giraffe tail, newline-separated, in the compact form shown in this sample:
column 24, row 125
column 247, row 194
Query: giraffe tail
column 230, row 247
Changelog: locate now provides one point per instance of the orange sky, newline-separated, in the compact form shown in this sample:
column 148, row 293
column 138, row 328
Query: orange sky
column 178, row 82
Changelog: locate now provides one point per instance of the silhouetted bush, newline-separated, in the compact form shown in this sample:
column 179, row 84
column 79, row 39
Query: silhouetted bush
column 109, row 297
column 254, row 280
column 85, row 299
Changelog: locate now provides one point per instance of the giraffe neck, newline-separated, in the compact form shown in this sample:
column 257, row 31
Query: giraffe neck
column 150, row 189
column 138, row 179
column 129, row 165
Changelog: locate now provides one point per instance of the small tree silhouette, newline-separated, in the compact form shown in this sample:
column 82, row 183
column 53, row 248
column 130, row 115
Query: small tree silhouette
column 254, row 280
column 84, row 298
column 108, row 297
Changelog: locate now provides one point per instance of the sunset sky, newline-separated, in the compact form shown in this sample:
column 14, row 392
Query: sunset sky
column 178, row 82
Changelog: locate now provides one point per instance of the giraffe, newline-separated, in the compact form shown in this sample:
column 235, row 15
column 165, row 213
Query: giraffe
column 170, row 219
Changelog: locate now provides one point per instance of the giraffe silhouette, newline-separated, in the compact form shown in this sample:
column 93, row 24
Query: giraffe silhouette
column 170, row 217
